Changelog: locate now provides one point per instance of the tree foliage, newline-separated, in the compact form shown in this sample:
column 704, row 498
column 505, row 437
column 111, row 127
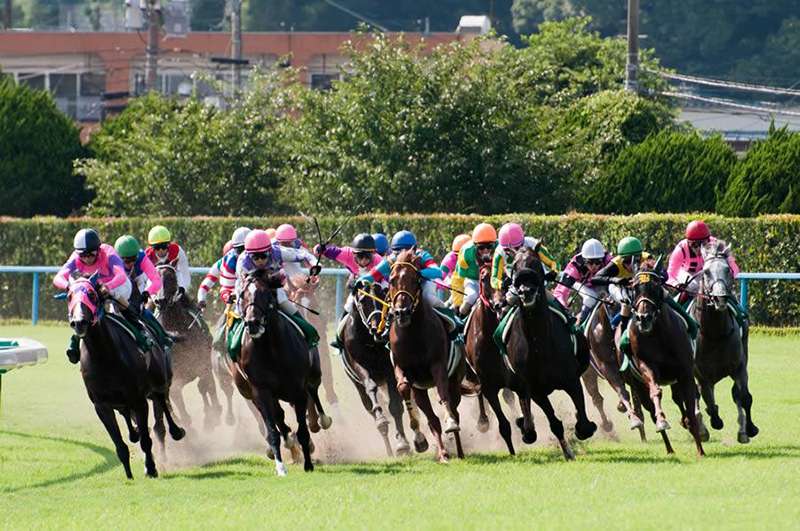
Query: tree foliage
column 671, row 171
column 37, row 146
column 767, row 181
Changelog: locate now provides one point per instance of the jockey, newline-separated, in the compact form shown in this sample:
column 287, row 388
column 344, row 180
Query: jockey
column 359, row 259
column 272, row 233
column 686, row 261
column 145, row 279
column 381, row 243
column 618, row 274
column 162, row 250
column 451, row 277
column 401, row 241
column 578, row 275
column 227, row 269
column 511, row 239
column 212, row 277
column 261, row 253
column 92, row 256
column 287, row 238
column 472, row 256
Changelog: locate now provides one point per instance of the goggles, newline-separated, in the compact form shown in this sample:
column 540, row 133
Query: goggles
column 87, row 254
column 160, row 246
column 259, row 256
column 594, row 261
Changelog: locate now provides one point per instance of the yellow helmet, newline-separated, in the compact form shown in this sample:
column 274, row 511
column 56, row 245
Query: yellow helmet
column 159, row 234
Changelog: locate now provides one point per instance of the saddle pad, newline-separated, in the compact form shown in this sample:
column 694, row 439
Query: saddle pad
column 126, row 327
column 456, row 352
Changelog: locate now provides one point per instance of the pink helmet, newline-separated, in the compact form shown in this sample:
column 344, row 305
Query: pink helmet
column 286, row 233
column 511, row 235
column 257, row 241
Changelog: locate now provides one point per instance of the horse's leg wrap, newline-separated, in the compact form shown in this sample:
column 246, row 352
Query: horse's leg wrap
column 74, row 349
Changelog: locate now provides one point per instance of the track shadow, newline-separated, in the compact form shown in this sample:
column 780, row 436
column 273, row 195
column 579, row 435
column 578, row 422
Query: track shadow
column 753, row 451
column 109, row 457
column 370, row 469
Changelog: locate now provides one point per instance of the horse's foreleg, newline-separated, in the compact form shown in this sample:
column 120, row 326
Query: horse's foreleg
column 525, row 422
column 508, row 398
column 424, row 403
column 502, row 422
column 145, row 442
column 225, row 381
column 483, row 419
column 267, row 405
column 636, row 402
column 396, row 409
column 133, row 433
column 688, row 392
column 455, row 400
column 303, row 436
column 176, row 432
column 404, row 389
column 744, row 402
column 614, row 379
column 212, row 409
column 590, row 383
column 642, row 398
column 556, row 425
column 443, row 389
column 584, row 428
column 176, row 395
column 655, row 393
column 707, row 392
column 106, row 416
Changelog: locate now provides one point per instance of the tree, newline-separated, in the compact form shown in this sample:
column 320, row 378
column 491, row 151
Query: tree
column 779, row 58
column 767, row 181
column 37, row 146
column 207, row 15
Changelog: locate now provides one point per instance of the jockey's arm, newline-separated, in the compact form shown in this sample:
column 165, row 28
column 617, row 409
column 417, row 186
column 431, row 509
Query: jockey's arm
column 498, row 269
column 117, row 270
column 675, row 264
column 182, row 268
column 605, row 276
column 153, row 278
column 209, row 281
column 61, row 280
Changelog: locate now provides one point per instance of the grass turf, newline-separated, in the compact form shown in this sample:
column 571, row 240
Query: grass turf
column 58, row 470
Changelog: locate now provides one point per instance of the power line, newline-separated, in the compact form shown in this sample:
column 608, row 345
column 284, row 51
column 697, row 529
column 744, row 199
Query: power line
column 725, row 103
column 729, row 84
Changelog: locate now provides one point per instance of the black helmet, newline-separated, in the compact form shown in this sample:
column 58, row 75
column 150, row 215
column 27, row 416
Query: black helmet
column 363, row 242
column 86, row 240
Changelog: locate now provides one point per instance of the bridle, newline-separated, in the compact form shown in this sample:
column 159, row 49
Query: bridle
column 162, row 301
column 645, row 277
column 376, row 311
column 708, row 290
column 395, row 294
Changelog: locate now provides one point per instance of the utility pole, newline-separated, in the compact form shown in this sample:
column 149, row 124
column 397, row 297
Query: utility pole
column 7, row 14
column 236, row 44
column 151, row 62
column 632, row 65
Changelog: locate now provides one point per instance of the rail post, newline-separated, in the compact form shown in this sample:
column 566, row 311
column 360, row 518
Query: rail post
column 743, row 293
column 339, row 304
column 35, row 299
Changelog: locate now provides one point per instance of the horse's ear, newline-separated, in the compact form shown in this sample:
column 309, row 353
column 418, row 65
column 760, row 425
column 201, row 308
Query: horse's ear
column 660, row 259
column 727, row 250
column 94, row 277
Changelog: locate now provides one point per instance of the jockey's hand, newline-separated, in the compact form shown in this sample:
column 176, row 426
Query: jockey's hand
column 315, row 271
column 145, row 297
column 319, row 249
column 550, row 276
column 102, row 291
column 619, row 281
column 181, row 292
column 201, row 305
column 276, row 280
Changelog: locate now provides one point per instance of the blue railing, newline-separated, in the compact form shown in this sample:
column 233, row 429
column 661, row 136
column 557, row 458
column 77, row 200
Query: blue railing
column 745, row 278
column 339, row 274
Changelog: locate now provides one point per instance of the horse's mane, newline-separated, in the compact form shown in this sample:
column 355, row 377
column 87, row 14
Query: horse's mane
column 409, row 256
column 717, row 248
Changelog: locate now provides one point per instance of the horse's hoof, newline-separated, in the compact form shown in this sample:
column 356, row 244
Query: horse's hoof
column 608, row 426
column 662, row 425
column 444, row 458
column 134, row 436
column 451, row 426
column 280, row 469
column 150, row 472
column 621, row 407
column 752, row 430
column 529, row 437
column 483, row 424
column 308, row 466
column 325, row 421
column 420, row 443
column 313, row 427
column 584, row 431
column 636, row 422
column 705, row 436
column 742, row 438
column 401, row 447
column 177, row 434
column 716, row 423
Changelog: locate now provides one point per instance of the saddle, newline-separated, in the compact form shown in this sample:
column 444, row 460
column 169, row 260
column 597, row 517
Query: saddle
column 235, row 332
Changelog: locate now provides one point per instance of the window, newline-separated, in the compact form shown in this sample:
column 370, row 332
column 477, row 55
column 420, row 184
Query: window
column 323, row 81
column 64, row 88
column 33, row 80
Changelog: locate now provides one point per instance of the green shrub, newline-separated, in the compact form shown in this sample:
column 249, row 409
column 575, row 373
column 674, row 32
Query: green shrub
column 671, row 171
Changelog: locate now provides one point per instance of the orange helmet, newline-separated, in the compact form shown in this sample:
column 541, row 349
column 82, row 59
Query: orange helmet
column 271, row 232
column 484, row 233
column 459, row 241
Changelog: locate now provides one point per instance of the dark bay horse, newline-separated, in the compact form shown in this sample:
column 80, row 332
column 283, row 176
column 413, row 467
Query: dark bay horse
column 722, row 347
column 118, row 376
column 548, row 355
column 485, row 357
column 421, row 351
column 661, row 353
column 366, row 361
column 191, row 356
column 275, row 365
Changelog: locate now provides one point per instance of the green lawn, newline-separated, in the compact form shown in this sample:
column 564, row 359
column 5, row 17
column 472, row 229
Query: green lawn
column 58, row 470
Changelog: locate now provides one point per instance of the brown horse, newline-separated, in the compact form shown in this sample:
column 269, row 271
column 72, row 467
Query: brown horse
column 722, row 346
column 366, row 361
column 276, row 364
column 421, row 351
column 305, row 292
column 661, row 353
column 190, row 356
column 549, row 356
column 118, row 376
column 485, row 358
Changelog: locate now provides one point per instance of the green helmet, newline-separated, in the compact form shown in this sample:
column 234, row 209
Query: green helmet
column 127, row 246
column 159, row 234
column 629, row 246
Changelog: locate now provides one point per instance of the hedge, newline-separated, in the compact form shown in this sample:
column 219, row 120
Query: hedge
column 766, row 243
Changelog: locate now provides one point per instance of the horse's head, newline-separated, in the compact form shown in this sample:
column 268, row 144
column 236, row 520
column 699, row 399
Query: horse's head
column 648, row 297
column 528, row 277
column 370, row 310
column 169, row 286
column 717, row 277
column 83, row 303
column 258, row 301
column 405, row 287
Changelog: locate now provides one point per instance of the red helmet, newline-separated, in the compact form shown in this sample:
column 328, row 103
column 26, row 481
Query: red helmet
column 697, row 230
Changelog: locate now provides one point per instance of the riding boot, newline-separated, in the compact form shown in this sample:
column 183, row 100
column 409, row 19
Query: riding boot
column 337, row 342
column 691, row 324
column 310, row 333
column 137, row 327
column 164, row 339
column 74, row 349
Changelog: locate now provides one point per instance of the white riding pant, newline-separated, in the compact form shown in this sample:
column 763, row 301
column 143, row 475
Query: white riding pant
column 471, row 292
column 123, row 291
column 589, row 295
column 619, row 294
column 431, row 294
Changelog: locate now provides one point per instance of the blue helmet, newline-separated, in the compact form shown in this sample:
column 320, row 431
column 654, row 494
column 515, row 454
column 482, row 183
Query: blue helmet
column 402, row 240
column 381, row 243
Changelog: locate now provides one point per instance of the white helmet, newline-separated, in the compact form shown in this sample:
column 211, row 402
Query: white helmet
column 592, row 250
column 239, row 235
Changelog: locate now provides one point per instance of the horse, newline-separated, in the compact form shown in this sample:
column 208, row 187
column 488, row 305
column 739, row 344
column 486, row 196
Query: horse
column 305, row 293
column 722, row 347
column 420, row 351
column 661, row 354
column 548, row 355
column 275, row 364
column 366, row 362
column 118, row 376
column 190, row 356
column 222, row 368
column 485, row 357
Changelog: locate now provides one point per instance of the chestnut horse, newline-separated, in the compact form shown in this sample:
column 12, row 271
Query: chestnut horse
column 118, row 376
column 722, row 346
column 549, row 356
column 275, row 364
column 190, row 356
column 661, row 353
column 420, row 351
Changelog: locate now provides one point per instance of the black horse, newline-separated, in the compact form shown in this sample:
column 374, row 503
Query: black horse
column 549, row 355
column 276, row 364
column 118, row 376
column 367, row 363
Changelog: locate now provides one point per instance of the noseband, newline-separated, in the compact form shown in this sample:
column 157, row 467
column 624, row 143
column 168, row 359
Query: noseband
column 645, row 277
column 414, row 297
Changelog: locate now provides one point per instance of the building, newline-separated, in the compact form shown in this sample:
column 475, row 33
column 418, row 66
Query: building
column 80, row 68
